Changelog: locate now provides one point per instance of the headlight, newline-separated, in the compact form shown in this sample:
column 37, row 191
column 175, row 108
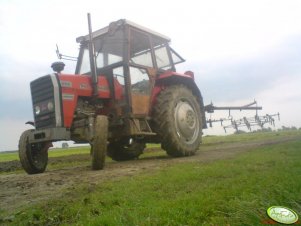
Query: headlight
column 37, row 110
column 50, row 106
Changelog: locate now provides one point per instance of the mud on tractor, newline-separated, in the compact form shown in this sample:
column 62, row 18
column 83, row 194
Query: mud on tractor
column 125, row 92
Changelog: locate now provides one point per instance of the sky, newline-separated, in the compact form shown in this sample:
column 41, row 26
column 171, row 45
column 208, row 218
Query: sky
column 239, row 50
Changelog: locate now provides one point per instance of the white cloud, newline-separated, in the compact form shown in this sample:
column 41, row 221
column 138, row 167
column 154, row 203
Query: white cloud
column 284, row 96
column 11, row 130
column 211, row 35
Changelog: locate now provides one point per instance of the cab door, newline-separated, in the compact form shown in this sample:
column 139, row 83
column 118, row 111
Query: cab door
column 140, row 91
column 140, row 63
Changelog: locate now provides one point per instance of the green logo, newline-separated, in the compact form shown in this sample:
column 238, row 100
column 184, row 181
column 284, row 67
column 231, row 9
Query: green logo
column 282, row 214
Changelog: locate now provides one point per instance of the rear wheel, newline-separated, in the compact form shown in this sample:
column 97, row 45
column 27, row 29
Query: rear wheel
column 33, row 157
column 178, row 121
column 99, row 142
column 122, row 151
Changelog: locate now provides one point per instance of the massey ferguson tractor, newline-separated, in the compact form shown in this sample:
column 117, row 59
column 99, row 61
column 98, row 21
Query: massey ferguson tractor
column 125, row 93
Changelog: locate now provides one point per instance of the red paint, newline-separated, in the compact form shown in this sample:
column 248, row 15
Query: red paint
column 168, row 74
column 272, row 222
column 156, row 90
column 75, row 86
column 159, row 85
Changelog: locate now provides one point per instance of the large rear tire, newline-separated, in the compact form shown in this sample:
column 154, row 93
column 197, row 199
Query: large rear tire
column 178, row 121
column 99, row 142
column 123, row 151
column 33, row 157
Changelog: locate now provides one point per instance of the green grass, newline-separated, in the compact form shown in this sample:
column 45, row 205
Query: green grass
column 207, row 141
column 8, row 156
column 56, row 152
column 246, row 137
column 82, row 160
column 226, row 192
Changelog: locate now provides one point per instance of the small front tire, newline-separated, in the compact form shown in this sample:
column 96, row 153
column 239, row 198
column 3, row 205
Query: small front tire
column 99, row 142
column 33, row 157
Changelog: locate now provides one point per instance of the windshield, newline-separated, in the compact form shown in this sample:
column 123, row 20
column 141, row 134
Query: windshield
column 141, row 46
column 108, row 50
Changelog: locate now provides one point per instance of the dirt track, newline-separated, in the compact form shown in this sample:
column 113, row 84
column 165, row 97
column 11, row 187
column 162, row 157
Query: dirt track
column 18, row 190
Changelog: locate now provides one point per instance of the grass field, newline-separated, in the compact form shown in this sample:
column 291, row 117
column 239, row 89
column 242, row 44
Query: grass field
column 56, row 152
column 207, row 141
column 235, row 191
column 10, row 156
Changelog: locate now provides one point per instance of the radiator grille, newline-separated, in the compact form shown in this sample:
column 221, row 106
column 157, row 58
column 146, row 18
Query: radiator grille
column 42, row 92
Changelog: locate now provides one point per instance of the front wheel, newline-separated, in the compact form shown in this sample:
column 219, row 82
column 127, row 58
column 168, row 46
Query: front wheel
column 99, row 142
column 178, row 121
column 33, row 157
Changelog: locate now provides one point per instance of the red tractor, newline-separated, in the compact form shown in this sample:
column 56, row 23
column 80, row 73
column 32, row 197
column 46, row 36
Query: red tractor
column 125, row 93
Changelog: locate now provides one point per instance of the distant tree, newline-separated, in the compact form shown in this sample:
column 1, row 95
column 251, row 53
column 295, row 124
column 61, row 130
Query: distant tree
column 266, row 129
column 285, row 128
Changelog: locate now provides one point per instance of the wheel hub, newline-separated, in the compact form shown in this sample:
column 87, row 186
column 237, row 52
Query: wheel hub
column 186, row 121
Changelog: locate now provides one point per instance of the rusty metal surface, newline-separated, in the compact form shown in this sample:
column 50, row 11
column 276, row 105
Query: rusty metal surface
column 249, row 123
column 210, row 108
column 140, row 104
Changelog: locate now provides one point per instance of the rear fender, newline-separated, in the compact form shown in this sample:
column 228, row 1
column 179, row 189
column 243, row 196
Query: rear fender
column 173, row 78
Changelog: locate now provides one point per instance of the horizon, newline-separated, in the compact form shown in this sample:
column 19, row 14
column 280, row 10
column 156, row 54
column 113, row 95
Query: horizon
column 238, row 50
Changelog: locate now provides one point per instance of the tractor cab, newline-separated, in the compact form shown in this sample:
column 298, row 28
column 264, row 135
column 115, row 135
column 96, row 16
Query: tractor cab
column 124, row 42
column 133, row 56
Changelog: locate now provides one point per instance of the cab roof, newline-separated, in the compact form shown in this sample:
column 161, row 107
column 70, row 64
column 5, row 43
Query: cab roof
column 118, row 23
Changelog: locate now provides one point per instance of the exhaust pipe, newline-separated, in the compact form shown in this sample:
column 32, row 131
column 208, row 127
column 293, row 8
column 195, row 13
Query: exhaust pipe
column 94, row 77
